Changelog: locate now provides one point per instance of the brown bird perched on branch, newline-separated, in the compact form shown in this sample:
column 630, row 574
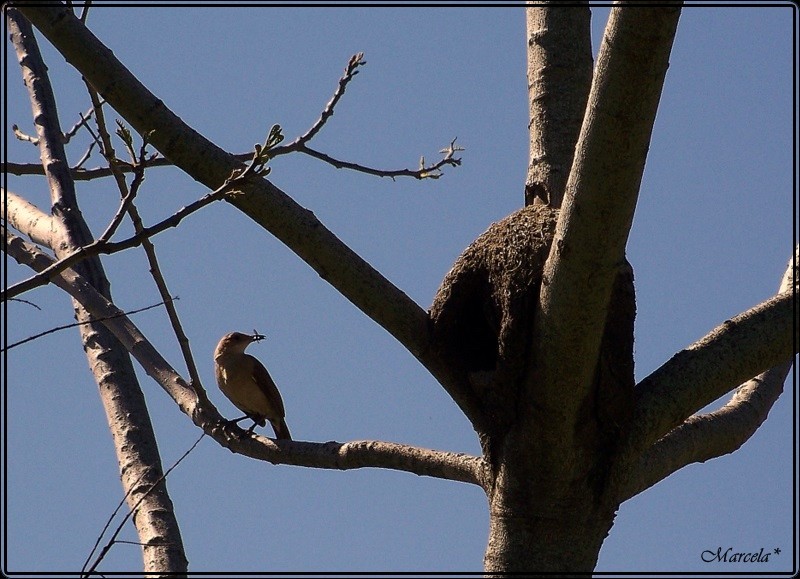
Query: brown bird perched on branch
column 246, row 383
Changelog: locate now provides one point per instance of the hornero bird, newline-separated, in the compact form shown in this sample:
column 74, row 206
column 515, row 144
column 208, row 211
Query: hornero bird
column 247, row 384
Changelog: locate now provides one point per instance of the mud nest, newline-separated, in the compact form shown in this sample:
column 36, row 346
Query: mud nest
column 482, row 316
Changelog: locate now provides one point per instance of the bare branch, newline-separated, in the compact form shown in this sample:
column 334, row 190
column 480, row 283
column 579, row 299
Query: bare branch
column 84, row 118
column 27, row 218
column 75, row 324
column 86, row 156
column 589, row 244
column 705, row 436
column 270, row 207
column 424, row 171
column 559, row 78
column 349, row 72
column 359, row 454
column 363, row 454
column 742, row 347
column 128, row 195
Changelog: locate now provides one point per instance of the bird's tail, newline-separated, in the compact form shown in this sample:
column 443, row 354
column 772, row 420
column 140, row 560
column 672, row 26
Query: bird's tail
column 281, row 430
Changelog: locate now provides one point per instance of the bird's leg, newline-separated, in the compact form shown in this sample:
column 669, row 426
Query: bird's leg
column 237, row 421
column 228, row 423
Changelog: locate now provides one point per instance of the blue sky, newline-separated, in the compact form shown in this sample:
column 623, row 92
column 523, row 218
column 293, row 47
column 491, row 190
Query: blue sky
column 711, row 237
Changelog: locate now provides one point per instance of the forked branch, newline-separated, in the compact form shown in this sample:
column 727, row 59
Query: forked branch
column 103, row 245
column 703, row 436
column 262, row 201
column 329, row 455
column 299, row 145
column 736, row 350
column 601, row 192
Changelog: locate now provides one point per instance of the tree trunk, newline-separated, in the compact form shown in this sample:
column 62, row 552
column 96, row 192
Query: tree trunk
column 549, row 510
column 531, row 541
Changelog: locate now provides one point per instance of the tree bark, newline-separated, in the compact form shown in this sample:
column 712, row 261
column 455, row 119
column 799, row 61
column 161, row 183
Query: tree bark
column 531, row 332
column 701, row 437
column 266, row 204
column 534, row 544
column 123, row 401
column 550, row 506
column 559, row 78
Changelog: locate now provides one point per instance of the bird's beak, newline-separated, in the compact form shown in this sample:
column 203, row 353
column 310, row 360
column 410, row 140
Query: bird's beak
column 256, row 337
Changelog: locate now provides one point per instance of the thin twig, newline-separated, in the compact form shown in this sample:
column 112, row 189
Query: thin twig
column 126, row 202
column 349, row 72
column 26, row 302
column 299, row 145
column 424, row 172
column 82, row 122
column 97, row 248
column 113, row 538
column 76, row 324
column 95, row 138
column 86, row 156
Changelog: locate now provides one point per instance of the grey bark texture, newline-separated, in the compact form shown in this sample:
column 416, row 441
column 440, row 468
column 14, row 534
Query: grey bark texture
column 122, row 398
column 559, row 77
column 531, row 332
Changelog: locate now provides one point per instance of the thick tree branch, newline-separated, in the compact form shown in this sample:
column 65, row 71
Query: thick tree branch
column 365, row 454
column 763, row 337
column 559, row 78
column 705, row 436
column 123, row 402
column 27, row 218
column 357, row 454
column 593, row 226
column 263, row 202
